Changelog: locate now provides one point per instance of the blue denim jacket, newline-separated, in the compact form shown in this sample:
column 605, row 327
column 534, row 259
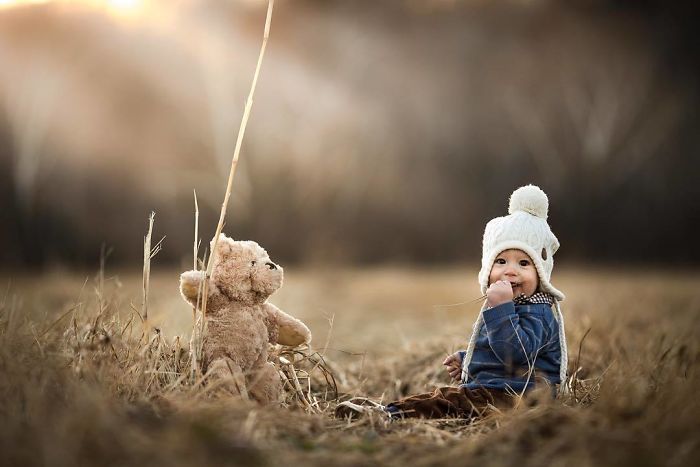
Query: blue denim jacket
column 517, row 346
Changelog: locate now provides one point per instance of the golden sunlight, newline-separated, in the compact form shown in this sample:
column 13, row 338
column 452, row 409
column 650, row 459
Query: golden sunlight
column 11, row 3
column 124, row 6
column 121, row 8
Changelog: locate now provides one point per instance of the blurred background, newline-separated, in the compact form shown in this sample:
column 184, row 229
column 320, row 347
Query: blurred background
column 382, row 131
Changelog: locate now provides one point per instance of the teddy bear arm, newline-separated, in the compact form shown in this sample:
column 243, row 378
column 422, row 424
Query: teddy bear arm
column 291, row 331
column 191, row 284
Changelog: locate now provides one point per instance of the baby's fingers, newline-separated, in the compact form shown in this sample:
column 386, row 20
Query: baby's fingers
column 449, row 359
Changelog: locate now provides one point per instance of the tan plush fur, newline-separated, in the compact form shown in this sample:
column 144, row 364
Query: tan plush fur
column 240, row 324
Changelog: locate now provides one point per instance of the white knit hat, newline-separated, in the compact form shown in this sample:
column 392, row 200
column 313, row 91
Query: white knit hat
column 524, row 228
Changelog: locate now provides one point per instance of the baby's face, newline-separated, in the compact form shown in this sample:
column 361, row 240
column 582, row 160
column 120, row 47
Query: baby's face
column 516, row 267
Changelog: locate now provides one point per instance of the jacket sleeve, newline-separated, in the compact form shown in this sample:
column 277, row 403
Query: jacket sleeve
column 462, row 354
column 514, row 338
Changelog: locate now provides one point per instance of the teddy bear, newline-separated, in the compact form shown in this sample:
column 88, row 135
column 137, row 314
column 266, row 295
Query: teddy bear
column 240, row 323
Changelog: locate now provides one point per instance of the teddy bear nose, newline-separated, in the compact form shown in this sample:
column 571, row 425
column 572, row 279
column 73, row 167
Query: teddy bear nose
column 271, row 265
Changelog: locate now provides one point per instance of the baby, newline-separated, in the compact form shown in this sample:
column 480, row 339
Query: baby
column 518, row 340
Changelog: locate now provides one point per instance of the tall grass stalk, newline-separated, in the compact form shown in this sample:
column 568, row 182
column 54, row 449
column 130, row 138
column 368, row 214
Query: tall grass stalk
column 195, row 341
column 148, row 254
column 236, row 153
column 147, row 266
column 195, row 248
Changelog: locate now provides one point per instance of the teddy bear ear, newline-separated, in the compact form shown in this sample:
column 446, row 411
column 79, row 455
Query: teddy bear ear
column 224, row 243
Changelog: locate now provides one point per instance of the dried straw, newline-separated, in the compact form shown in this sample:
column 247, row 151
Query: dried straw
column 148, row 253
column 236, row 153
column 147, row 265
column 307, row 379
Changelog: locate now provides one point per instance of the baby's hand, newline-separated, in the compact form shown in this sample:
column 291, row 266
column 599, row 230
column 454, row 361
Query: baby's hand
column 454, row 365
column 499, row 293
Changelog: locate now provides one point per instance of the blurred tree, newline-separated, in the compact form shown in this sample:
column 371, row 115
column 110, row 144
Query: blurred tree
column 382, row 131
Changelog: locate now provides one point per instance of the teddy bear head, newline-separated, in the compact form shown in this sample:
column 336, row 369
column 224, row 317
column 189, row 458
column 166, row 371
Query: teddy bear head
column 242, row 271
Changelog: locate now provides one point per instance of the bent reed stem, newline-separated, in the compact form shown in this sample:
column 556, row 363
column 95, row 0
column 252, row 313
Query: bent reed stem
column 236, row 154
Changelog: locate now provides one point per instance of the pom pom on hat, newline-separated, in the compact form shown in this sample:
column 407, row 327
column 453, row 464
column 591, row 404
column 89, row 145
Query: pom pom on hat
column 530, row 199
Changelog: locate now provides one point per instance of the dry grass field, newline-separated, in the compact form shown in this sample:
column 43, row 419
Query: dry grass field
column 84, row 382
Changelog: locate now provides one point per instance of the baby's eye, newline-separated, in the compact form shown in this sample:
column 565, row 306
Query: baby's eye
column 500, row 261
column 524, row 262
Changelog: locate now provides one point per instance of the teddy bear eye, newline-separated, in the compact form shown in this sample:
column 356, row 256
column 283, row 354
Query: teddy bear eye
column 252, row 263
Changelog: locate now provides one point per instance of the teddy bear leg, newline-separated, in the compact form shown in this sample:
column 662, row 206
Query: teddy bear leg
column 265, row 385
column 226, row 378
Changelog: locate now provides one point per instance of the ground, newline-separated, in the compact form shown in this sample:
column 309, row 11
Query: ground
column 84, row 381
